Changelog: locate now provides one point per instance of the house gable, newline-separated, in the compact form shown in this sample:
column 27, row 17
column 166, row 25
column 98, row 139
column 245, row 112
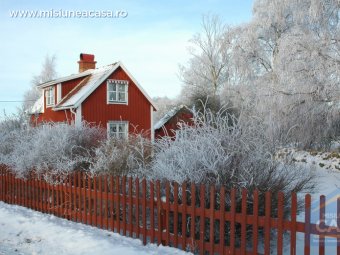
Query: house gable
column 96, row 109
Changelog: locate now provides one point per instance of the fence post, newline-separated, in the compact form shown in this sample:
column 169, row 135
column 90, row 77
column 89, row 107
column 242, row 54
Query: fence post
column 152, row 212
column 307, row 223
column 130, row 207
column 144, row 211
column 267, row 229
column 184, row 214
column 160, row 214
column 202, row 219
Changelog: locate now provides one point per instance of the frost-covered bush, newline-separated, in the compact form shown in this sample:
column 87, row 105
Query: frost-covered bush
column 222, row 150
column 10, row 129
column 52, row 149
column 122, row 156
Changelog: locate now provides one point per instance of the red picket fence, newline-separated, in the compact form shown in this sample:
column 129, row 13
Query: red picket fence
column 188, row 217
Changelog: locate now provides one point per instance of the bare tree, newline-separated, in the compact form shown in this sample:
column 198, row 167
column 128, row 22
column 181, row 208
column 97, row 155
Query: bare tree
column 48, row 72
column 208, row 67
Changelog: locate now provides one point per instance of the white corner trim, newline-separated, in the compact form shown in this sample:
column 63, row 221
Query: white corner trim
column 58, row 92
column 152, row 130
column 78, row 118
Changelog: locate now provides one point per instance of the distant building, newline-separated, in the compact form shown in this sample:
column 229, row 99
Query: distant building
column 171, row 120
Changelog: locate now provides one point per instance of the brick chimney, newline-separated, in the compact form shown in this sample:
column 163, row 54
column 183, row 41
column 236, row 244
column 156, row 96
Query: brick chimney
column 86, row 62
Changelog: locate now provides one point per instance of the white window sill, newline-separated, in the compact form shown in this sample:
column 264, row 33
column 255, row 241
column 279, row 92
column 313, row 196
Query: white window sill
column 117, row 102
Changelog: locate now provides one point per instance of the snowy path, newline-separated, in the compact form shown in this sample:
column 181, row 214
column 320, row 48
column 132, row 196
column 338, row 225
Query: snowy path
column 23, row 231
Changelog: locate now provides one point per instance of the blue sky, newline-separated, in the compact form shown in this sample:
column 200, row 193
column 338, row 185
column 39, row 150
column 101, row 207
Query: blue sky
column 151, row 41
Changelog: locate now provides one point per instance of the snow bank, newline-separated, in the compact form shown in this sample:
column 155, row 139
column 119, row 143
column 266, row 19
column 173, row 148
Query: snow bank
column 24, row 231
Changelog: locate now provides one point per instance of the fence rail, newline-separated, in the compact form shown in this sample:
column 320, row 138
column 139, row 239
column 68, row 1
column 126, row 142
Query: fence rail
column 189, row 217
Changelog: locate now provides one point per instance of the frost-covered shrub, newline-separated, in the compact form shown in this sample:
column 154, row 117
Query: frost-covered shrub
column 222, row 150
column 122, row 156
column 53, row 149
column 10, row 129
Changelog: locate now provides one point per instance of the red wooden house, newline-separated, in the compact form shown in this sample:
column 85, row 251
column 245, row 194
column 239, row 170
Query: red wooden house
column 170, row 122
column 108, row 96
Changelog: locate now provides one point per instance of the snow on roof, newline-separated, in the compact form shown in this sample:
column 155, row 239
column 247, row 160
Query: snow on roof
column 38, row 106
column 94, row 78
column 66, row 78
column 86, row 87
column 168, row 116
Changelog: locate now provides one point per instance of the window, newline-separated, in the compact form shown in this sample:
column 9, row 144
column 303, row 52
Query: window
column 117, row 91
column 118, row 129
column 49, row 93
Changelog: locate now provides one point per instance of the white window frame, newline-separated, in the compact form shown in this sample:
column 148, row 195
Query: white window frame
column 50, row 96
column 118, row 83
column 118, row 134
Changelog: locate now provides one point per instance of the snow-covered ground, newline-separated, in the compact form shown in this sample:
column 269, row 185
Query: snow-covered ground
column 23, row 231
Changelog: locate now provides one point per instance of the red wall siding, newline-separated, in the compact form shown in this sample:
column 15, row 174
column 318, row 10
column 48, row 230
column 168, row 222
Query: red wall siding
column 53, row 116
column 96, row 110
column 67, row 86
